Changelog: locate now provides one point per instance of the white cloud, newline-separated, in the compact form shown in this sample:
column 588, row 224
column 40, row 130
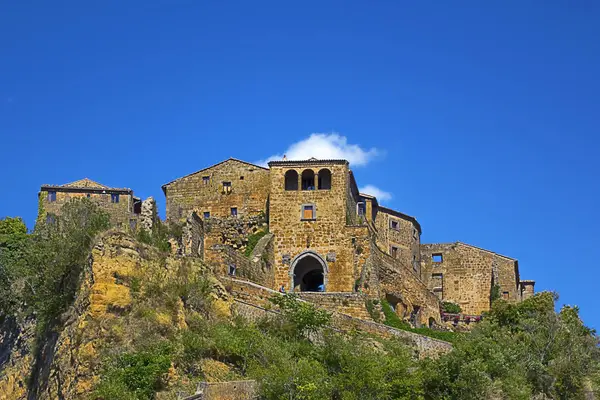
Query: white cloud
column 375, row 191
column 326, row 146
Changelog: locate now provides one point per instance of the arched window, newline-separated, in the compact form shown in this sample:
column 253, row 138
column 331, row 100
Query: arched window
column 308, row 180
column 291, row 180
column 324, row 179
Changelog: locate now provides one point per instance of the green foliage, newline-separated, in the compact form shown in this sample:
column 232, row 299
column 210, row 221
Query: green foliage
column 304, row 317
column 392, row 319
column 40, row 272
column 520, row 351
column 253, row 241
column 450, row 307
column 135, row 375
column 160, row 235
column 373, row 310
column 495, row 293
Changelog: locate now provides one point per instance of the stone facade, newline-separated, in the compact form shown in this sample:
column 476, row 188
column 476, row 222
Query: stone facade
column 325, row 236
column 465, row 275
column 120, row 203
column 230, row 187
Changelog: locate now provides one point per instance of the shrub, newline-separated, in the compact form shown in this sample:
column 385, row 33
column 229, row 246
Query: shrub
column 253, row 241
column 305, row 317
column 450, row 307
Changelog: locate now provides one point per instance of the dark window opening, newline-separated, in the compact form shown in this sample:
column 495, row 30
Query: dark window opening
column 437, row 258
column 206, row 180
column 114, row 198
column 308, row 180
column 291, row 180
column 51, row 196
column 206, row 214
column 88, row 195
column 241, row 178
column 505, row 295
column 394, row 251
column 394, row 225
column 232, row 269
column 309, row 275
column 234, row 211
column 361, row 208
column 324, row 179
column 308, row 212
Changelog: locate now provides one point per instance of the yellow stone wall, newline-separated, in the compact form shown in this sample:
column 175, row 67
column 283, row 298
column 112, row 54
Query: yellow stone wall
column 406, row 238
column 249, row 191
column 465, row 275
column 120, row 213
column 328, row 235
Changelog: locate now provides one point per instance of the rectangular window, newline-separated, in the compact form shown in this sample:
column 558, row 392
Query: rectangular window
column 308, row 212
column 206, row 180
column 437, row 258
column 505, row 295
column 232, row 269
column 52, row 196
column 394, row 252
column 361, row 209
column 234, row 211
column 394, row 225
column 241, row 178
column 206, row 214
column 114, row 198
column 226, row 187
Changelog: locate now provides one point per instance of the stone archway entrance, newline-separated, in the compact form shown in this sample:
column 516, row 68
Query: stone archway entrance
column 308, row 273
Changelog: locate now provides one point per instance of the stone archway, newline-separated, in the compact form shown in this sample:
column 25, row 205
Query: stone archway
column 308, row 273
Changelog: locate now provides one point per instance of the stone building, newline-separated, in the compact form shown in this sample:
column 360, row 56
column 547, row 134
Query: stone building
column 319, row 234
column 120, row 203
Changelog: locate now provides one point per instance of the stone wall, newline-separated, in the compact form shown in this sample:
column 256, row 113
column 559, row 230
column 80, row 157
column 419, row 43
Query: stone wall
column 121, row 213
column 232, row 390
column 326, row 236
column 192, row 237
column 465, row 275
column 251, row 302
column 149, row 214
column 204, row 191
column 352, row 304
column 405, row 237
column 404, row 290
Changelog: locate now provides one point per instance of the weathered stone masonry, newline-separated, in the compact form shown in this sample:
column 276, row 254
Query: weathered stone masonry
column 326, row 236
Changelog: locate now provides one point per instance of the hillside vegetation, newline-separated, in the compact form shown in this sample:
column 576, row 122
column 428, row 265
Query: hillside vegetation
column 89, row 313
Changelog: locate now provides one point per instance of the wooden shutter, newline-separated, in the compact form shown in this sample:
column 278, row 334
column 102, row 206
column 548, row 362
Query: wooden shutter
column 307, row 212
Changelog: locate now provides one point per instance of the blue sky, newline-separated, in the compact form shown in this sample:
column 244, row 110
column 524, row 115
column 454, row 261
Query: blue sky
column 480, row 118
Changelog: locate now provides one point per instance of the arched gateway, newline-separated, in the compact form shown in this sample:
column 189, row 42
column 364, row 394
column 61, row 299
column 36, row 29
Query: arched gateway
column 308, row 273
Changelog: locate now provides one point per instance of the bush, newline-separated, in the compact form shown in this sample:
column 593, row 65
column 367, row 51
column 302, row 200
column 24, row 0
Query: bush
column 253, row 241
column 305, row 317
column 450, row 307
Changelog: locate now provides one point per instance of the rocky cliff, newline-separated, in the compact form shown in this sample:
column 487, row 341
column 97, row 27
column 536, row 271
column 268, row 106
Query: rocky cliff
column 118, row 306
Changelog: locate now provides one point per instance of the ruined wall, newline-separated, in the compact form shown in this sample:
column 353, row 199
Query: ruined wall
column 527, row 289
column 232, row 390
column 204, row 191
column 192, row 237
column 406, row 237
column 121, row 213
column 412, row 299
column 465, row 275
column 327, row 235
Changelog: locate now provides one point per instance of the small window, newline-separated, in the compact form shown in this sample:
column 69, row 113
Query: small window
column 394, row 225
column 241, row 178
column 361, row 209
column 88, row 195
column 505, row 296
column 394, row 252
column 308, row 212
column 52, row 196
column 206, row 214
column 437, row 258
column 206, row 180
column 114, row 198
column 234, row 211
column 227, row 187
column 232, row 269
